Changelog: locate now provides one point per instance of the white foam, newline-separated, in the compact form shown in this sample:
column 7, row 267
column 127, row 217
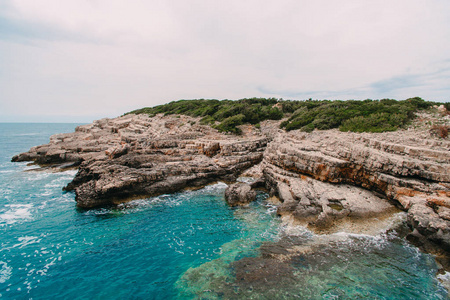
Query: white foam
column 15, row 213
column 367, row 240
column 445, row 280
column 6, row 171
column 246, row 179
column 166, row 199
column 26, row 134
column 271, row 208
column 5, row 272
column 44, row 270
column 53, row 184
column 26, row 240
column 35, row 176
column 6, row 191
column 289, row 227
column 70, row 173
column 214, row 187
column 46, row 193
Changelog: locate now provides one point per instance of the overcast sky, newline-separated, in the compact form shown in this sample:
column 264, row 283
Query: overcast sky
column 80, row 60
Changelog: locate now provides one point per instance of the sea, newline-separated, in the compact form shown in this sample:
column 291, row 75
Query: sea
column 187, row 245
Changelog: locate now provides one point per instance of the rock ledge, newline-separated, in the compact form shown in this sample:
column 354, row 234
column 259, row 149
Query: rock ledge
column 321, row 178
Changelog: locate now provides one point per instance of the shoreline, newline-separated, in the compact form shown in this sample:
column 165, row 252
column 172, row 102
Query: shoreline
column 319, row 177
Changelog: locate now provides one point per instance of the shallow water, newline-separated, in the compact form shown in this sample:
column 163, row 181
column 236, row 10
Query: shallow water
column 182, row 246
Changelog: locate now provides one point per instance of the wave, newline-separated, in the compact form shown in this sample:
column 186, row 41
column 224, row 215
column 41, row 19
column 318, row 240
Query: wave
column 5, row 272
column 15, row 213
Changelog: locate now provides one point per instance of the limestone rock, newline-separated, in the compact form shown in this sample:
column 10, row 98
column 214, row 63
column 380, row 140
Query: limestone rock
column 239, row 193
column 137, row 156
column 407, row 167
column 323, row 178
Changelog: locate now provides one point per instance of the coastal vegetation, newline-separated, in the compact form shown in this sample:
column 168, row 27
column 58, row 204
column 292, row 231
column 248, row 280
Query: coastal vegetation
column 306, row 115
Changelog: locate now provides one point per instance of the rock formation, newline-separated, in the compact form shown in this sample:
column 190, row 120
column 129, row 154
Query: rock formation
column 137, row 156
column 322, row 178
column 315, row 175
column 239, row 193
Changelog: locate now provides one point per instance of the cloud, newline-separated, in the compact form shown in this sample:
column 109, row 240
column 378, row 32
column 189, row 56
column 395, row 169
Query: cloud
column 103, row 58
column 434, row 82
column 399, row 87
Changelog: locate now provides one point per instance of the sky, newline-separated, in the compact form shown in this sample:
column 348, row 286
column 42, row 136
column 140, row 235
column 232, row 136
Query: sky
column 81, row 60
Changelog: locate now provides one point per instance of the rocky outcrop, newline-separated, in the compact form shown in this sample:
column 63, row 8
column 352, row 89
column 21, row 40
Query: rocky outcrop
column 239, row 193
column 324, row 206
column 136, row 156
column 323, row 178
column 409, row 168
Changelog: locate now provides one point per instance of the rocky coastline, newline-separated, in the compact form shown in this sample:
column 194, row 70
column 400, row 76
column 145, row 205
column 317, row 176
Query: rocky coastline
column 325, row 180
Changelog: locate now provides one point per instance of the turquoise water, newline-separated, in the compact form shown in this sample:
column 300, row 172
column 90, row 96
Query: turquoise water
column 183, row 246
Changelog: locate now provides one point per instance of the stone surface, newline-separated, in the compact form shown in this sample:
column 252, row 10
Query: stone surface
column 239, row 193
column 322, row 178
column 136, row 156
column 409, row 168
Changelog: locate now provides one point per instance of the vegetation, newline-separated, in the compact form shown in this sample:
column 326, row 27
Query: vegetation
column 357, row 116
column 440, row 130
column 447, row 106
column 223, row 115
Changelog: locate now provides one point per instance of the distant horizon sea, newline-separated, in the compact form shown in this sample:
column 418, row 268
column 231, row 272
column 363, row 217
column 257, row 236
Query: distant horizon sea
column 177, row 246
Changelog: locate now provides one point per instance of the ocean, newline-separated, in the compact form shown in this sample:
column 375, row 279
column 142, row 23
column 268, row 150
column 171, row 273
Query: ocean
column 188, row 245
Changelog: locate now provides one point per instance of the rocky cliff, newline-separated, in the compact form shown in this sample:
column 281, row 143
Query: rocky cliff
column 315, row 176
column 322, row 179
column 137, row 156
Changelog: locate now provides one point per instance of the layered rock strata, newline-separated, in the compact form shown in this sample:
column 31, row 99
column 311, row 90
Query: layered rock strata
column 322, row 178
column 137, row 156
column 314, row 174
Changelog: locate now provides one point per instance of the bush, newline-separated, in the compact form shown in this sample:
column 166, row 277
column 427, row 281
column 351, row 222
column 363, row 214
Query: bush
column 367, row 115
column 377, row 122
column 439, row 130
column 418, row 102
column 333, row 114
column 447, row 106
column 230, row 124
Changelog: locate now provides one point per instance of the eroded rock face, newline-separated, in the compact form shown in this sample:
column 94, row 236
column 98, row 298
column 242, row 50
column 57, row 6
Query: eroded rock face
column 136, row 156
column 239, row 193
column 324, row 206
column 409, row 168
column 323, row 178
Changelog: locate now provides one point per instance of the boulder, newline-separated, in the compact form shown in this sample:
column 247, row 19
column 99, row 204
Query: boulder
column 239, row 194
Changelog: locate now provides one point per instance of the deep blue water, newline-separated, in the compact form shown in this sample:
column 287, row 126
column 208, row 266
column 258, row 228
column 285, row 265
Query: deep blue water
column 172, row 246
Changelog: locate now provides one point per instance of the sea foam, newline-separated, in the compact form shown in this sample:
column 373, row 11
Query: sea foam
column 15, row 213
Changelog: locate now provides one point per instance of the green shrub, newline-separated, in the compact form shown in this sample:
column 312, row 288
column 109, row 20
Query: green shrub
column 230, row 124
column 366, row 115
column 208, row 120
column 274, row 114
column 377, row 122
column 333, row 114
column 418, row 103
column 307, row 128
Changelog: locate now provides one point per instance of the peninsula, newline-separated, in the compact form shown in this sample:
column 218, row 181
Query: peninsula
column 328, row 163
